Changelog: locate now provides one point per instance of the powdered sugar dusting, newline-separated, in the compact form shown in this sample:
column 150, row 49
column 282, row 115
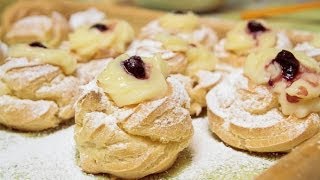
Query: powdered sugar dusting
column 53, row 156
column 149, row 48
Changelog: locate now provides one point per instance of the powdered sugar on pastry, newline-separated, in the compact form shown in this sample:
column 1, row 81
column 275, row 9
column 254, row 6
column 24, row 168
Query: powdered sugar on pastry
column 223, row 101
column 87, row 17
column 149, row 48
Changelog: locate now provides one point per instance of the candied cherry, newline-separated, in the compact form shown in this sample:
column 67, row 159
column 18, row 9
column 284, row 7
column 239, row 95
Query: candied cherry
column 288, row 63
column 37, row 44
column 100, row 27
column 135, row 66
column 255, row 27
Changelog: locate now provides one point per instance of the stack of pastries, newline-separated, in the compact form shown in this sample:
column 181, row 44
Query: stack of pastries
column 132, row 96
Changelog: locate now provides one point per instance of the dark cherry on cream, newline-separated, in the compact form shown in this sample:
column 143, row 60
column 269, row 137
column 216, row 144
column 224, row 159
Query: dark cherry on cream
column 255, row 27
column 100, row 27
column 37, row 44
column 135, row 67
column 288, row 63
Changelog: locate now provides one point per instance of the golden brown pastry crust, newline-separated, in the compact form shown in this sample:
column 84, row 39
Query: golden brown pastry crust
column 50, row 30
column 39, row 96
column 247, row 117
column 134, row 141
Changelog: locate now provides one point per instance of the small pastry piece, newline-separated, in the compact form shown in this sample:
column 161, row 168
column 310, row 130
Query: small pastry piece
column 273, row 108
column 35, row 93
column 101, row 40
column 50, row 30
column 137, row 129
column 183, row 25
column 246, row 37
column 311, row 48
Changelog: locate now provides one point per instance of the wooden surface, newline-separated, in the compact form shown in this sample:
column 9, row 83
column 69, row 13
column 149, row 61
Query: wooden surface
column 302, row 163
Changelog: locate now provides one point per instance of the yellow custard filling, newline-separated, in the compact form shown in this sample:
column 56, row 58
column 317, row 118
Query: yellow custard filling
column 57, row 57
column 132, row 80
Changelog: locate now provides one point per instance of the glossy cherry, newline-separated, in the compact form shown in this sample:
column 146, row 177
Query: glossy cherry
column 288, row 63
column 255, row 27
column 135, row 66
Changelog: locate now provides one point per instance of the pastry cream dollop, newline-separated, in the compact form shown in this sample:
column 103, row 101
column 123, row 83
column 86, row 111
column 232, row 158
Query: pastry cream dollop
column 298, row 90
column 241, row 40
column 179, row 22
column 90, row 42
column 57, row 57
column 126, row 89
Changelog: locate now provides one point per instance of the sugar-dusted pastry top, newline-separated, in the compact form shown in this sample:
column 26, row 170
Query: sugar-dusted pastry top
column 292, row 76
column 183, row 25
column 250, row 36
column 50, row 30
column 107, row 38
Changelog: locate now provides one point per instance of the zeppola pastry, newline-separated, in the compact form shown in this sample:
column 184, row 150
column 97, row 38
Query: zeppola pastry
column 271, row 106
column 36, row 89
column 133, row 120
column 49, row 30
column 183, row 25
column 246, row 37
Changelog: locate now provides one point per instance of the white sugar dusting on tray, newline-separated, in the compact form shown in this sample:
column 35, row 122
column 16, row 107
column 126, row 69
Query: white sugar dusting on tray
column 53, row 156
